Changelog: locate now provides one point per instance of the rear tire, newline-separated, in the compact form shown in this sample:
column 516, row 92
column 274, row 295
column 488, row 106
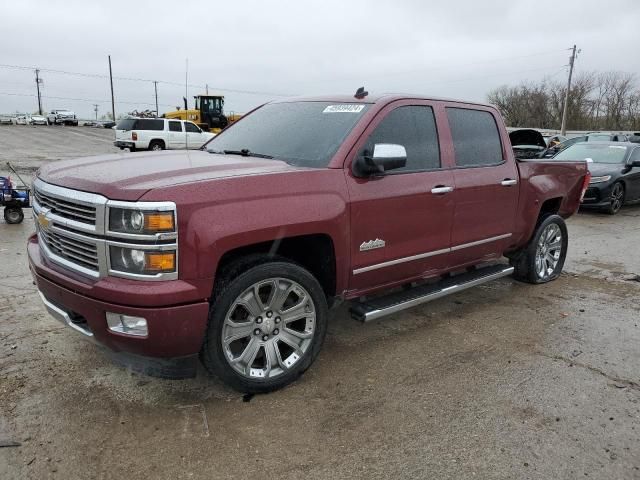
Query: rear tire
column 13, row 215
column 541, row 261
column 267, row 323
column 156, row 145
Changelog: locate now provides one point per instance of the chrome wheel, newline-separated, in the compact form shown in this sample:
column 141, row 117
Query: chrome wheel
column 617, row 197
column 156, row 147
column 548, row 251
column 269, row 328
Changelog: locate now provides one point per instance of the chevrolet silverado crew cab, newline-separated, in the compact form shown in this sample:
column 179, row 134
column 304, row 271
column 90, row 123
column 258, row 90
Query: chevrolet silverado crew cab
column 62, row 117
column 235, row 253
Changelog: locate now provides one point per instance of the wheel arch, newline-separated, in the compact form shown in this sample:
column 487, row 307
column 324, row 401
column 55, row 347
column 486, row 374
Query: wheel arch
column 315, row 252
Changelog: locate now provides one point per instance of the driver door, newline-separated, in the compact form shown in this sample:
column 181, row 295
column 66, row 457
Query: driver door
column 401, row 221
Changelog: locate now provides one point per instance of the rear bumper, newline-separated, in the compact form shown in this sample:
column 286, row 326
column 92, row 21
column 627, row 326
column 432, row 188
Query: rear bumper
column 124, row 144
column 175, row 333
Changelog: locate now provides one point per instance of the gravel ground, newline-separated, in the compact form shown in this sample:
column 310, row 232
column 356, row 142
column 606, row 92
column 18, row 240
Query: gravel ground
column 503, row 381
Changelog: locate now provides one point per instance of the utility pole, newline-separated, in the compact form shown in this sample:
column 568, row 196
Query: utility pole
column 95, row 109
column 113, row 103
column 206, row 87
column 38, row 82
column 155, row 87
column 563, row 128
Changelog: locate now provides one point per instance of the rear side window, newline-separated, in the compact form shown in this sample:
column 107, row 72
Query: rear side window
column 125, row 124
column 190, row 127
column 476, row 140
column 175, row 127
column 149, row 124
column 414, row 128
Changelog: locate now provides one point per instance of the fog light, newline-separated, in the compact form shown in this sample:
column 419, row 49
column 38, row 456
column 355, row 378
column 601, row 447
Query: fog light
column 127, row 324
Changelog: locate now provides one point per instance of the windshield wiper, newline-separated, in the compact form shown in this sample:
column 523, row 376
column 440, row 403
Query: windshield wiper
column 245, row 152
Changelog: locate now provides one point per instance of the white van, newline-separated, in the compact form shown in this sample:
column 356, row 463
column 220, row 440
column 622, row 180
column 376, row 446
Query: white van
column 159, row 134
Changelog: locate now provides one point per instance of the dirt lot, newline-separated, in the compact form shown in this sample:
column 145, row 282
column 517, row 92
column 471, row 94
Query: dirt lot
column 503, row 381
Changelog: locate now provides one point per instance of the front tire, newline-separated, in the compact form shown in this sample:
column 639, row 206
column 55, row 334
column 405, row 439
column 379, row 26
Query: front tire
column 267, row 323
column 13, row 215
column 541, row 261
column 616, row 199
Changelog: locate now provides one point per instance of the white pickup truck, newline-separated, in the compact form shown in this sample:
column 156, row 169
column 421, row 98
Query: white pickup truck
column 62, row 117
column 159, row 134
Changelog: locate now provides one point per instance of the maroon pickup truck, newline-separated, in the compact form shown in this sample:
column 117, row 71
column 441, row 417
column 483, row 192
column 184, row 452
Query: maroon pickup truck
column 234, row 254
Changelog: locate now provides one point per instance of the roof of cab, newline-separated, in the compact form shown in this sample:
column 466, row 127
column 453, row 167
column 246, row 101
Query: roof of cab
column 373, row 98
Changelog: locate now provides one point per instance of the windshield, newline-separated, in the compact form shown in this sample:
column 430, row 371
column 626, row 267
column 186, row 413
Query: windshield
column 598, row 153
column 305, row 134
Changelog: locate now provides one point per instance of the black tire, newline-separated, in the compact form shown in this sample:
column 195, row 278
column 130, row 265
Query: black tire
column 156, row 145
column 616, row 199
column 231, row 284
column 13, row 215
column 524, row 261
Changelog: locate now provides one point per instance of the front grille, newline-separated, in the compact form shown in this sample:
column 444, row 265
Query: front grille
column 66, row 208
column 76, row 251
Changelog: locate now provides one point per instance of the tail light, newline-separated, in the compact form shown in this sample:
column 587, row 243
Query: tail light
column 134, row 136
column 585, row 185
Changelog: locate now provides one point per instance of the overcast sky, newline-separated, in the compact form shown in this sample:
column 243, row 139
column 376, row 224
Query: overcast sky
column 458, row 48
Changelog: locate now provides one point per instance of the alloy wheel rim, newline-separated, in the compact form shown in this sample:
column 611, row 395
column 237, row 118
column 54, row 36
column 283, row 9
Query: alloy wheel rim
column 548, row 251
column 269, row 328
column 13, row 216
column 616, row 197
column 156, row 147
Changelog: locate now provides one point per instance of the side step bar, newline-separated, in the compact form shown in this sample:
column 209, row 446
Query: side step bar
column 395, row 302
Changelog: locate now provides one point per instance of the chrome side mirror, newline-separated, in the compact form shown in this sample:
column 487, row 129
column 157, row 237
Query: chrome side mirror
column 386, row 156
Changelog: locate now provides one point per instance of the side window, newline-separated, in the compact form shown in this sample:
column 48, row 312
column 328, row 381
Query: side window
column 635, row 155
column 149, row 124
column 175, row 127
column 414, row 128
column 476, row 140
column 190, row 127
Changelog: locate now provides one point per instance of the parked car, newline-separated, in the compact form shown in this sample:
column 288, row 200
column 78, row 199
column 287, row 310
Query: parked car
column 37, row 120
column 235, row 253
column 615, row 173
column 159, row 134
column 6, row 120
column 21, row 120
column 62, row 117
column 106, row 124
column 527, row 143
column 635, row 138
column 590, row 137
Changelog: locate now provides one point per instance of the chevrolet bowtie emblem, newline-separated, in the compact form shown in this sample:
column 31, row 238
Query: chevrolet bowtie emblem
column 43, row 221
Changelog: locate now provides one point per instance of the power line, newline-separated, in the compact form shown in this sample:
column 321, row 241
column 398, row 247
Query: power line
column 89, row 100
column 134, row 79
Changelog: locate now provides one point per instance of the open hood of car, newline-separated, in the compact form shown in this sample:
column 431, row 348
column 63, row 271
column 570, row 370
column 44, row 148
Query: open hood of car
column 527, row 137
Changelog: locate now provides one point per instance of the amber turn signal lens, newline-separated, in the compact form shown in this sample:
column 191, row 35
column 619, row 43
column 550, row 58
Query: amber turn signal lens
column 158, row 222
column 160, row 261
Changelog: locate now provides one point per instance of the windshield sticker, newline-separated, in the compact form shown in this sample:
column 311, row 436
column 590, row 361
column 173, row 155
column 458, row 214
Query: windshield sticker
column 343, row 108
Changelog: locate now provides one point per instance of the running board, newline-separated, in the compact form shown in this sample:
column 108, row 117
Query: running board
column 395, row 302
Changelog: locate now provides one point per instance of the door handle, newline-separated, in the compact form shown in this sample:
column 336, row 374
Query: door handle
column 439, row 190
column 507, row 182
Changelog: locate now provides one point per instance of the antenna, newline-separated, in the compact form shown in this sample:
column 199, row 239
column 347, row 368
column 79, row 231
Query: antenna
column 361, row 93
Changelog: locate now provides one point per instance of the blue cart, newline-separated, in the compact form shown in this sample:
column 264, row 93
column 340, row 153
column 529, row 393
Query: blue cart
column 13, row 198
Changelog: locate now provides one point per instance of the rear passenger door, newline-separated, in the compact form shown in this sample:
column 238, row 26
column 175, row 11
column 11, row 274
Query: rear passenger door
column 400, row 228
column 177, row 137
column 486, row 186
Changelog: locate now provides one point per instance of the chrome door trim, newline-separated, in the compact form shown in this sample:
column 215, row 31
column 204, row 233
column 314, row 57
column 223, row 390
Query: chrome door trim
column 420, row 256
column 508, row 182
column 439, row 190
column 480, row 242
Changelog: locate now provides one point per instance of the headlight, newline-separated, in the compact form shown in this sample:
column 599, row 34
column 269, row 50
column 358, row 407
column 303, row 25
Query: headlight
column 604, row 178
column 142, row 222
column 142, row 262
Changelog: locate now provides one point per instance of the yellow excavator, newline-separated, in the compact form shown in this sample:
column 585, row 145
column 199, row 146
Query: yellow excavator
column 208, row 113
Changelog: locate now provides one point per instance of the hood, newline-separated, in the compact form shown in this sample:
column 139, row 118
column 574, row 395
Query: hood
column 527, row 137
column 600, row 169
column 128, row 176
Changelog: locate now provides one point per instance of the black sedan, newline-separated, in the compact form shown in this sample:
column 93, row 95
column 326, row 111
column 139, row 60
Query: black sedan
column 615, row 173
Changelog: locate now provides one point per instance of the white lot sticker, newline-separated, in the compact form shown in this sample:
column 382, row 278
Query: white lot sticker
column 616, row 146
column 343, row 108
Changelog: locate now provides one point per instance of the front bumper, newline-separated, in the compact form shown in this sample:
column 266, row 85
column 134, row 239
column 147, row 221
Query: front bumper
column 598, row 195
column 124, row 144
column 175, row 333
